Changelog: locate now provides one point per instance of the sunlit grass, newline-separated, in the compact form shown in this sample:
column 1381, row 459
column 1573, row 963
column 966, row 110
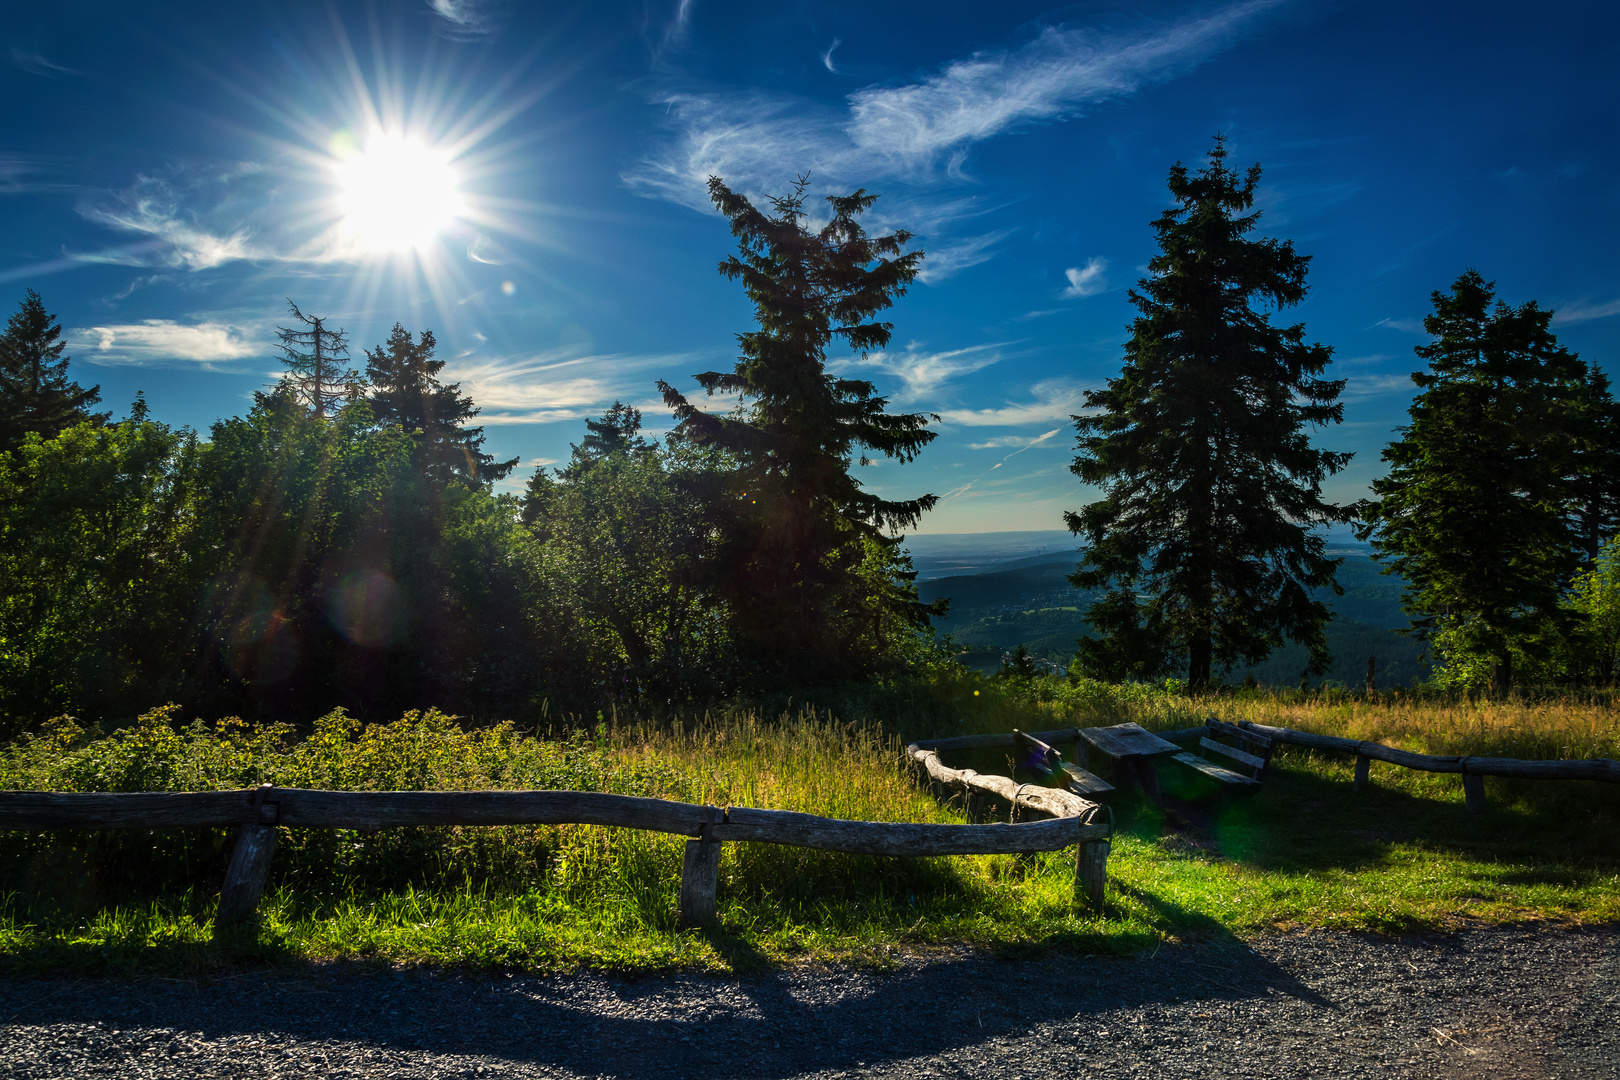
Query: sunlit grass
column 1306, row 851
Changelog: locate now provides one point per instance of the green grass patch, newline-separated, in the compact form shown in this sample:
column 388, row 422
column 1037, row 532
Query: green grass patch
column 1305, row 851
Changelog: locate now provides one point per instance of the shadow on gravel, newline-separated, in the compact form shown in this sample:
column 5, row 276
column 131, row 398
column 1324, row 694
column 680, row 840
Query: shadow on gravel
column 774, row 1024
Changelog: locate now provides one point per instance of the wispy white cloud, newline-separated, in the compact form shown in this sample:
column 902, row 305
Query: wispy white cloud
column 1290, row 204
column 1005, row 480
column 1584, row 312
column 1053, row 400
column 919, row 133
column 464, row 17
column 182, row 243
column 1088, row 280
column 826, row 57
column 172, row 235
column 526, row 392
column 947, row 260
column 759, row 141
column 199, row 219
column 679, row 25
column 167, row 343
column 1058, row 75
column 37, row 63
column 922, row 372
column 1016, row 442
column 546, row 388
column 1362, row 387
column 484, row 250
column 21, row 173
column 1405, row 326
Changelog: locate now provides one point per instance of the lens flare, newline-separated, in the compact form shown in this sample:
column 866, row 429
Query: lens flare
column 397, row 194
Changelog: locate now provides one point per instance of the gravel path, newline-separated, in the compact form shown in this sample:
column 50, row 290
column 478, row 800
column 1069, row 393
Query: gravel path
column 1497, row 1003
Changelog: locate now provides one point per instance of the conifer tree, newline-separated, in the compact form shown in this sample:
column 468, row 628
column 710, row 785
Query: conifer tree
column 36, row 395
column 1595, row 513
column 318, row 373
column 1476, row 512
column 1210, row 486
column 618, row 431
column 404, row 389
column 797, row 523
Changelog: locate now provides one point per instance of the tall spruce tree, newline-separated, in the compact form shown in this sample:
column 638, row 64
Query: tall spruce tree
column 36, row 395
column 1595, row 514
column 317, row 360
column 795, row 543
column 1477, row 514
column 404, row 389
column 1203, row 539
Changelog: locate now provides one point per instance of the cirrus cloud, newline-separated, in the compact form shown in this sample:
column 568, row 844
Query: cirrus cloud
column 1052, row 400
column 920, row 133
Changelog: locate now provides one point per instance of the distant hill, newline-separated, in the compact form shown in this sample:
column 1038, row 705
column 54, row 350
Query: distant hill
column 1023, row 597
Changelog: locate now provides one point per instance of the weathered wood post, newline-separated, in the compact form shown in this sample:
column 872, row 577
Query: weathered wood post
column 1362, row 764
column 1091, row 873
column 1473, row 790
column 250, row 861
column 700, row 878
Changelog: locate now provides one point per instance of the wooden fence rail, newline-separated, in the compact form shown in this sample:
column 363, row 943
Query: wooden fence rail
column 259, row 811
column 1473, row 769
column 980, row 790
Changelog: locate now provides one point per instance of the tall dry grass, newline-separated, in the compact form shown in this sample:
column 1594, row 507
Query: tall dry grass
column 1517, row 728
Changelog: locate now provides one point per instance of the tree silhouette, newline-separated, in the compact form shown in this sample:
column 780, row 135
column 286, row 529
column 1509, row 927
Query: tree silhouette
column 36, row 396
column 794, row 569
column 405, row 390
column 1210, row 485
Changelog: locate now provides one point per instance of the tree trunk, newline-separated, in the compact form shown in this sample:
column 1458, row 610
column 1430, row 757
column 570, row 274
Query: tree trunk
column 1502, row 672
column 1199, row 650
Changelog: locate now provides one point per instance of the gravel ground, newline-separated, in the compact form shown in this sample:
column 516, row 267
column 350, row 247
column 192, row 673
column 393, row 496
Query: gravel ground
column 1506, row 1003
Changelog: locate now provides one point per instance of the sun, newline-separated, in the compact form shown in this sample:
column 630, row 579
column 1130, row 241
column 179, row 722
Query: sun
column 397, row 194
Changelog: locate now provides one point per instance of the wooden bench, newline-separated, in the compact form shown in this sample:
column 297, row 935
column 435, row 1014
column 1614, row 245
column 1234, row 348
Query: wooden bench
column 1245, row 762
column 1042, row 759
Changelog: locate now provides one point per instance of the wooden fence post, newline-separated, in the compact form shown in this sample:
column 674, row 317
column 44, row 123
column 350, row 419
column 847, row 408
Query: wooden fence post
column 1362, row 764
column 700, row 878
column 250, row 863
column 1473, row 791
column 1091, row 873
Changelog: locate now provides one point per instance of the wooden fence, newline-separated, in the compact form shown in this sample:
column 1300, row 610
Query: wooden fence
column 1473, row 769
column 981, row 791
column 260, row 811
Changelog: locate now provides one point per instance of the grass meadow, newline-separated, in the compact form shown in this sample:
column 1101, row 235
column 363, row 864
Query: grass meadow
column 1305, row 851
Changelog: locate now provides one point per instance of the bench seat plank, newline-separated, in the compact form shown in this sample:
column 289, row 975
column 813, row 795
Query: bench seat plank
column 1214, row 771
column 1084, row 782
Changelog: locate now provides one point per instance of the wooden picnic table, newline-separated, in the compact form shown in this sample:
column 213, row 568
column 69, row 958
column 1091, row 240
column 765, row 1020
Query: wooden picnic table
column 1131, row 748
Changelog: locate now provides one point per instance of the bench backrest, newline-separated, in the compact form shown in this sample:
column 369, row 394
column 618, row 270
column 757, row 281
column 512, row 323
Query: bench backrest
column 1249, row 753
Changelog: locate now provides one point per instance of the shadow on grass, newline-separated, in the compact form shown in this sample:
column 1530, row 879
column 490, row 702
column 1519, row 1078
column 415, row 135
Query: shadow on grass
column 238, row 948
column 1305, row 819
column 740, row 956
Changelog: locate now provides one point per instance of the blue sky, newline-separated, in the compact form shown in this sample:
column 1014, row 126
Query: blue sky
column 171, row 173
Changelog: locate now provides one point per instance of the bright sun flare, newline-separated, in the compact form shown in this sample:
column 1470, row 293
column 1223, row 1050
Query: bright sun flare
column 397, row 194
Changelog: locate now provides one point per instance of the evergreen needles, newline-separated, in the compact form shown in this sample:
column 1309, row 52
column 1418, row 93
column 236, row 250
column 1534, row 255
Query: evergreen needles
column 1210, row 484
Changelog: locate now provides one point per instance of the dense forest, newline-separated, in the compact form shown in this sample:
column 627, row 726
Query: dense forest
column 342, row 543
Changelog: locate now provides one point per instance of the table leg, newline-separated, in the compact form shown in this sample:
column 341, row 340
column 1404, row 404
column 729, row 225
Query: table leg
column 1124, row 774
column 1148, row 775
